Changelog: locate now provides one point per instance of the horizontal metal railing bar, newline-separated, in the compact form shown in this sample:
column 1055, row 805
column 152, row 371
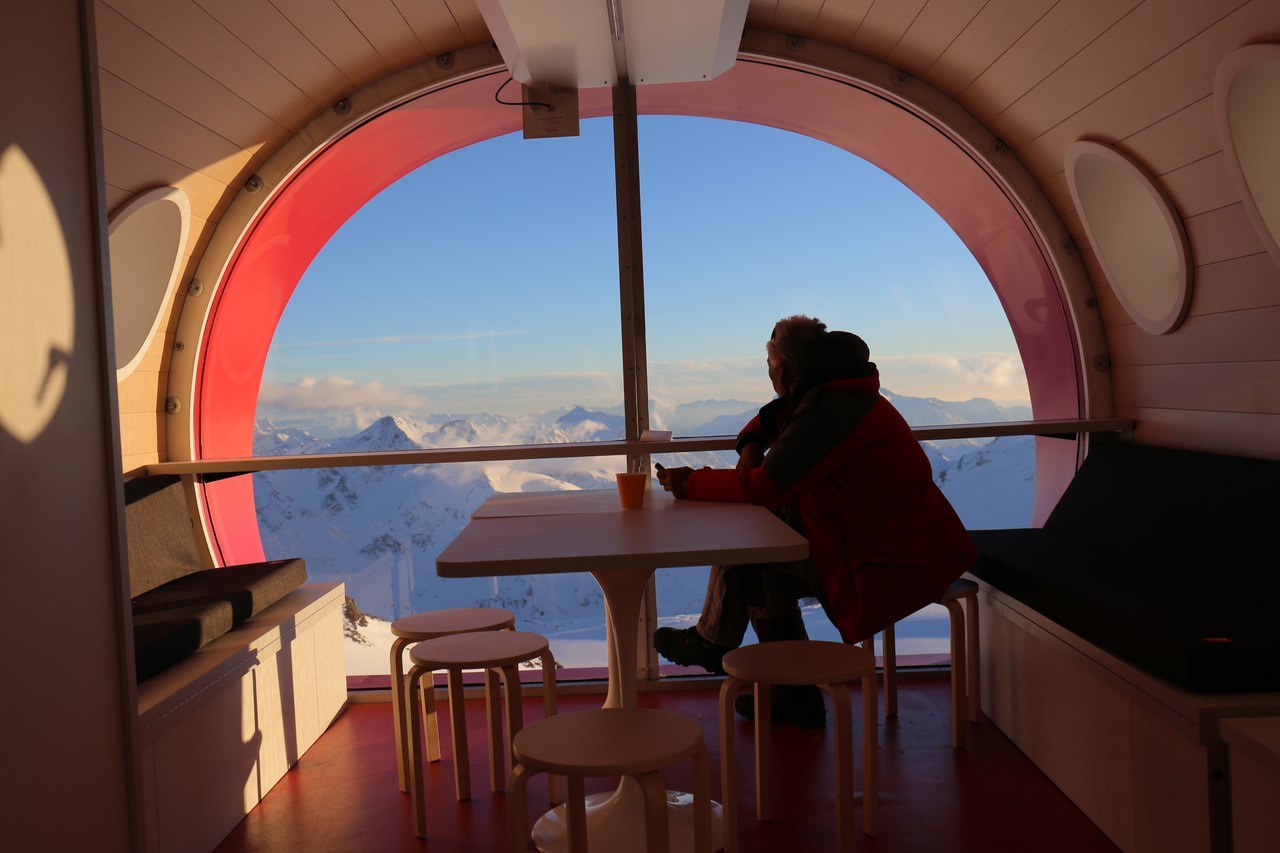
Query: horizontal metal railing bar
column 249, row 464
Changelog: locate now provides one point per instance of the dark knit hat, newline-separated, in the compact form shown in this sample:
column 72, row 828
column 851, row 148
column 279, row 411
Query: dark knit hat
column 835, row 355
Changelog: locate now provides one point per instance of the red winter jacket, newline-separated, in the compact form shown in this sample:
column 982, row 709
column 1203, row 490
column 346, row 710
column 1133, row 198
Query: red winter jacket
column 857, row 484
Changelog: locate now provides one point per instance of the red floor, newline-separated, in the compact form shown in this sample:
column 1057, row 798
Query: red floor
column 343, row 795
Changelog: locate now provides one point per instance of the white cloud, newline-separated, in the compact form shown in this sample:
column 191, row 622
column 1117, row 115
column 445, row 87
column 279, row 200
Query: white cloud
column 336, row 393
column 995, row 375
column 400, row 339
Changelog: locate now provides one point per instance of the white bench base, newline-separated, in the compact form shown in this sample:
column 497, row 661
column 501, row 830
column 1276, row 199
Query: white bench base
column 219, row 729
column 1143, row 760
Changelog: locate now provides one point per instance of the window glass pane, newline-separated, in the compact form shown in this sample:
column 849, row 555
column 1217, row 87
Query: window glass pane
column 744, row 225
column 472, row 303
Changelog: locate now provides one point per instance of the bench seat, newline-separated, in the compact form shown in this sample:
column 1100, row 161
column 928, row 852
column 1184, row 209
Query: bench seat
column 1161, row 558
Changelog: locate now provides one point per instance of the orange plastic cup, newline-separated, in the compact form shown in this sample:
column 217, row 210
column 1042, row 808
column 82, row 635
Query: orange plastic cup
column 631, row 489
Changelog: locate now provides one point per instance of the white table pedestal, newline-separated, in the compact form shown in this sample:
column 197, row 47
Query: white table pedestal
column 615, row 822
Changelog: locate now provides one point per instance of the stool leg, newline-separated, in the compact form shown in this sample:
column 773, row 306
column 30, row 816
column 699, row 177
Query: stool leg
column 397, row 711
column 517, row 808
column 416, row 789
column 429, row 719
column 728, row 778
column 843, row 712
column 458, row 725
column 764, row 752
column 701, row 802
column 493, row 719
column 555, row 788
column 890, row 672
column 576, row 812
column 959, row 716
column 656, row 834
column 515, row 710
column 974, row 652
column 870, row 757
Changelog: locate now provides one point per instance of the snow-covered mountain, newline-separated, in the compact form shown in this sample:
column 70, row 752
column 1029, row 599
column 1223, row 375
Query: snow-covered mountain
column 380, row 529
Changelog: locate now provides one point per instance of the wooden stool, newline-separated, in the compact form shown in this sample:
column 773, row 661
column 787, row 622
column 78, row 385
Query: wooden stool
column 635, row 742
column 498, row 653
column 832, row 666
column 427, row 626
column 966, row 685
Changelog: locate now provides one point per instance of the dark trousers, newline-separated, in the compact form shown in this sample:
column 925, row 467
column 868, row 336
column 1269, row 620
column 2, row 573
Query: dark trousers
column 764, row 595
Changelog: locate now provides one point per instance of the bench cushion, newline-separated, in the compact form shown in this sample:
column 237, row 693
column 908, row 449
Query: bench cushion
column 1164, row 558
column 177, row 618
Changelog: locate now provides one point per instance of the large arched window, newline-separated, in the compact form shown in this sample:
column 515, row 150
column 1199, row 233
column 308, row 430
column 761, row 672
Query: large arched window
column 476, row 363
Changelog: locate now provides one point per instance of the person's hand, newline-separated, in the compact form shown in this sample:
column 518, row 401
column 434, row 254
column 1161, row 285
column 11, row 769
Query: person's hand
column 752, row 456
column 674, row 480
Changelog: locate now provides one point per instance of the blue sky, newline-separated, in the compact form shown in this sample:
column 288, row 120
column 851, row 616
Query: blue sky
column 487, row 279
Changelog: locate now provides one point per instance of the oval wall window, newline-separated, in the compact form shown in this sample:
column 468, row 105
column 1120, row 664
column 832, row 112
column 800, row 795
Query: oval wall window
column 146, row 241
column 1246, row 93
column 1135, row 232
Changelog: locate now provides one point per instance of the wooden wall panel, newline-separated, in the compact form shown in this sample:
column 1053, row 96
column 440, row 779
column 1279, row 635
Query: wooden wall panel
column 134, row 56
column 136, row 116
column 1250, row 387
column 992, row 31
column 760, row 13
column 932, row 31
column 142, row 435
column 142, row 393
column 1177, row 139
column 268, row 33
column 1201, row 187
column 1211, row 432
column 1054, row 39
column 795, row 17
column 1251, row 281
column 1176, row 80
column 1228, row 337
column 1222, row 234
column 884, row 25
column 1149, row 34
column 327, row 27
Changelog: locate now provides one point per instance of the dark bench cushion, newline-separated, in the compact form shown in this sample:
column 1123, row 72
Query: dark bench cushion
column 1160, row 557
column 177, row 618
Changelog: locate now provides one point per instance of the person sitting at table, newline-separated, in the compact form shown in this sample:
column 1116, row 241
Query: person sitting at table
column 837, row 461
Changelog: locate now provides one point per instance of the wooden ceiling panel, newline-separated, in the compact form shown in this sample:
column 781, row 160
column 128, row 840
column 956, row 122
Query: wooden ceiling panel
column 152, row 67
column 327, row 27
column 760, row 13
column 433, row 24
column 796, row 17
column 193, row 34
column 1238, row 284
column 386, row 29
column 1146, row 37
column 272, row 36
column 467, row 15
column 1061, row 33
column 997, row 26
column 136, row 168
column 884, row 25
column 838, row 21
column 1201, row 187
column 135, row 115
column 932, row 32
column 1168, row 86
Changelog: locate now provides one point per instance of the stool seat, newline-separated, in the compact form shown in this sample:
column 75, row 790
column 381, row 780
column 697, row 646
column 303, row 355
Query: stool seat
column 631, row 742
column 462, row 620
column 799, row 662
column 479, row 650
column 608, row 742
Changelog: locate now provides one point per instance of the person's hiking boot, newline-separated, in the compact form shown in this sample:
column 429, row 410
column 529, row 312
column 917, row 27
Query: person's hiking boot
column 797, row 705
column 686, row 647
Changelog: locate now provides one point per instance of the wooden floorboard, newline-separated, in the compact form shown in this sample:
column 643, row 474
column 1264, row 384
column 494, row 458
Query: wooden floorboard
column 343, row 796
